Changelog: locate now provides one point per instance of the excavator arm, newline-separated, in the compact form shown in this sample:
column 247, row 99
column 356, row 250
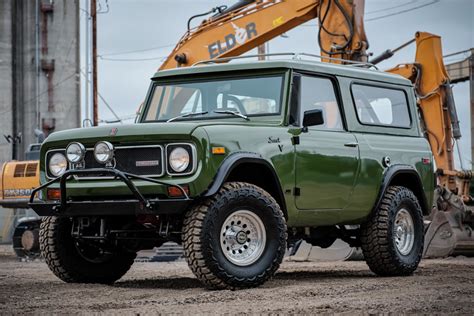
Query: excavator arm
column 247, row 24
column 435, row 103
column 451, row 223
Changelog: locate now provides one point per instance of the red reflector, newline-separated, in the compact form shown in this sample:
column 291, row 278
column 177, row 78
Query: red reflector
column 54, row 194
column 177, row 192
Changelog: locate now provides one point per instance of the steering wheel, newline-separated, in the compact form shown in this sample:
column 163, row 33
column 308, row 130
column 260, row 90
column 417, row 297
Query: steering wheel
column 237, row 102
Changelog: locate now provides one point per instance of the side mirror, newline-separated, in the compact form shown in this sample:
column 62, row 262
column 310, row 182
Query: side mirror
column 313, row 118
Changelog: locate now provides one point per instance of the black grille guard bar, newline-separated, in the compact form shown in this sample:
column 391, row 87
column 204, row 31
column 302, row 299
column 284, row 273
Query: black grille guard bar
column 120, row 175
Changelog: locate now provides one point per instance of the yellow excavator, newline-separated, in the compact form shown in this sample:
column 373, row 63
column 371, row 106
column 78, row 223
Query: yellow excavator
column 228, row 32
column 17, row 180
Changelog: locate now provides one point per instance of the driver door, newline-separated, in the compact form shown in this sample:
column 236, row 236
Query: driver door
column 327, row 157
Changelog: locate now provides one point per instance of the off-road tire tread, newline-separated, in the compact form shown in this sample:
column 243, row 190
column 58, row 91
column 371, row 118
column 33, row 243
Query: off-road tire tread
column 68, row 269
column 379, row 253
column 194, row 236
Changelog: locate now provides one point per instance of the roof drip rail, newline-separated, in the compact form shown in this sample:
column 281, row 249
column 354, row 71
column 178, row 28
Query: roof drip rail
column 352, row 63
column 227, row 59
column 294, row 56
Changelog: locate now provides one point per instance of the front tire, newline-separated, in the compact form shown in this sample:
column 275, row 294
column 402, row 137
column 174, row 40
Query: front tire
column 392, row 237
column 63, row 257
column 235, row 239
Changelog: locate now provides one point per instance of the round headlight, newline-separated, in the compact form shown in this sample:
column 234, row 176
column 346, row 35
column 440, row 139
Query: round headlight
column 75, row 152
column 57, row 164
column 179, row 159
column 104, row 152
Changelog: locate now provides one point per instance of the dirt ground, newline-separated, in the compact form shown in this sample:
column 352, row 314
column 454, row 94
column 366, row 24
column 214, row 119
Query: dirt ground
column 439, row 286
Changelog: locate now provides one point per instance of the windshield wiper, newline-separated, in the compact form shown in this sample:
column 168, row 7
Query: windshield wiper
column 186, row 115
column 235, row 113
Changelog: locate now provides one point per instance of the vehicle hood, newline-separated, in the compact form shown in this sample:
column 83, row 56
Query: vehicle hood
column 130, row 133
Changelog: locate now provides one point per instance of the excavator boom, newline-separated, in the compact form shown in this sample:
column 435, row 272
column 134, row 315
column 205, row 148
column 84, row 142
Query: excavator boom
column 238, row 31
column 252, row 23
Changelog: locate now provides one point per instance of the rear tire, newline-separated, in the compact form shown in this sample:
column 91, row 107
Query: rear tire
column 392, row 237
column 235, row 239
column 64, row 259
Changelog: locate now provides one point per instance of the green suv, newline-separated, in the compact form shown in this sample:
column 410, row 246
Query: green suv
column 238, row 162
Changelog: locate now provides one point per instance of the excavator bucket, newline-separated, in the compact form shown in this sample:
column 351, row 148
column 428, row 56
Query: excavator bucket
column 447, row 234
column 439, row 236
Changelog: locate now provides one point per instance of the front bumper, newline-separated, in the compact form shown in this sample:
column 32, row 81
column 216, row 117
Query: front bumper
column 139, row 205
column 14, row 203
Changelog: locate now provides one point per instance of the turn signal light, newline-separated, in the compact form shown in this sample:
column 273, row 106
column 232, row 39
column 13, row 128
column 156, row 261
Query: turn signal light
column 177, row 192
column 218, row 150
column 54, row 194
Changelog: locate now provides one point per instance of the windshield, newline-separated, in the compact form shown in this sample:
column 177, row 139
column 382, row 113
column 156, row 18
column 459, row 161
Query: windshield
column 250, row 96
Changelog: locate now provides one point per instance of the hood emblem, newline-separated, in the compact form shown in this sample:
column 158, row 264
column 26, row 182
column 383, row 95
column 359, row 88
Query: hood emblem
column 113, row 131
column 147, row 163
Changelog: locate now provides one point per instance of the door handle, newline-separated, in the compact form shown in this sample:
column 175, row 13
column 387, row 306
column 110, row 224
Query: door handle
column 351, row 144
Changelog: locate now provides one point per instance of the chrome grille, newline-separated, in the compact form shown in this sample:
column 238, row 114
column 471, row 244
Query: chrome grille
column 139, row 160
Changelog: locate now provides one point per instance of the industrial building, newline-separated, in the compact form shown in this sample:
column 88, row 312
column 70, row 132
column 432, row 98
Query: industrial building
column 39, row 71
column 39, row 78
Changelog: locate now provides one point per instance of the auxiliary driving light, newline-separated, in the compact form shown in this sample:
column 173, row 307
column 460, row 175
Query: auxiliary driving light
column 75, row 152
column 104, row 152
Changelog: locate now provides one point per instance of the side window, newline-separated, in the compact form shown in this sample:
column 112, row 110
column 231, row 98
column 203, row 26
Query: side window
column 319, row 94
column 381, row 106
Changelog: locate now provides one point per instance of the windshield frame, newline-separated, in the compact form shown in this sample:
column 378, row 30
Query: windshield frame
column 282, row 72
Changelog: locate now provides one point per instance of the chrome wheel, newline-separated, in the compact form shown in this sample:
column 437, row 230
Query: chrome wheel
column 243, row 238
column 404, row 232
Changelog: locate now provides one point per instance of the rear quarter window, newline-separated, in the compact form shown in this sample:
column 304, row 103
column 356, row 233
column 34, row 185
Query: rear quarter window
column 381, row 106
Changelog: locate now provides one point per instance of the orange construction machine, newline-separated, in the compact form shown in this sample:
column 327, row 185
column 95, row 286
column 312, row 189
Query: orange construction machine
column 17, row 180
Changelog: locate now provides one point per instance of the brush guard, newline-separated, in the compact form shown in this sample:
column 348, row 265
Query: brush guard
column 136, row 206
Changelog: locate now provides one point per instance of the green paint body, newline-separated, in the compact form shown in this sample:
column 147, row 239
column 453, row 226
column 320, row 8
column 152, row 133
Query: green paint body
column 338, row 184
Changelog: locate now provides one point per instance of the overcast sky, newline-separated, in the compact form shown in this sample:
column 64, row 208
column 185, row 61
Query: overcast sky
column 155, row 26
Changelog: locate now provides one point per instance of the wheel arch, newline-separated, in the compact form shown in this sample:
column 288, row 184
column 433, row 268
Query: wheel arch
column 251, row 168
column 407, row 176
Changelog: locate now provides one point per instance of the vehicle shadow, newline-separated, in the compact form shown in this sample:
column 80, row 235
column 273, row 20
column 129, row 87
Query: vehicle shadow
column 319, row 275
column 172, row 283
column 178, row 283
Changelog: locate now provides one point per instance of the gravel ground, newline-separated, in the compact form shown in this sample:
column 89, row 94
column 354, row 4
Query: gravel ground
column 438, row 286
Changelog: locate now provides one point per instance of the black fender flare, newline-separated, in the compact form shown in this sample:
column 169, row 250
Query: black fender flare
column 394, row 170
column 233, row 161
